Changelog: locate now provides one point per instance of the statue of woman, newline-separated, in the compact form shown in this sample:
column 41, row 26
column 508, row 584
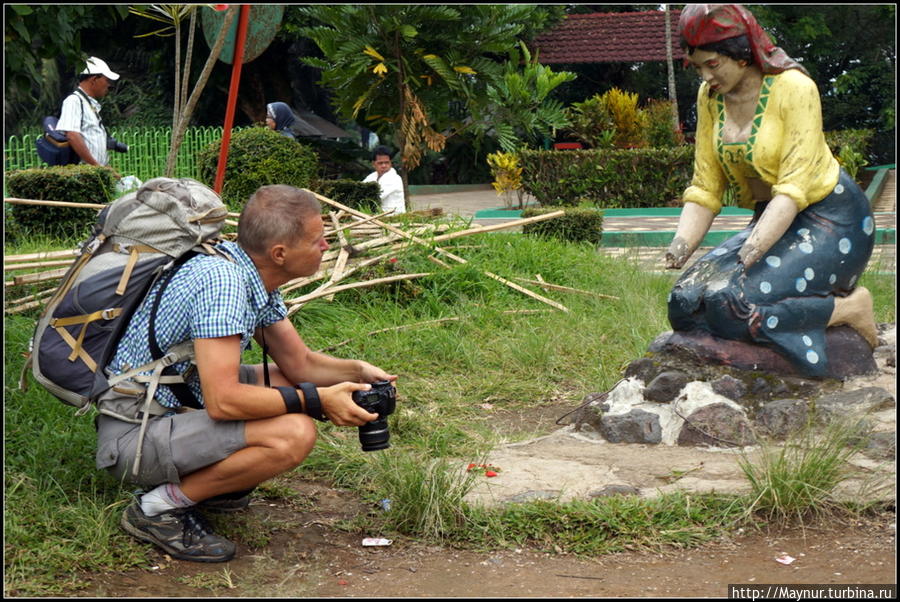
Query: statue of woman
column 793, row 271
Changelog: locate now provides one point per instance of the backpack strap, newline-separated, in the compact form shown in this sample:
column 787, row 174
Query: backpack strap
column 181, row 390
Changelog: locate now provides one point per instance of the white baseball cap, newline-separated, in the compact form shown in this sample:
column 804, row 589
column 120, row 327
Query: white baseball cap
column 97, row 66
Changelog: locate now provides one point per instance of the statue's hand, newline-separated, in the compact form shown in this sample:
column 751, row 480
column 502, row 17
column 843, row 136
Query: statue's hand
column 749, row 254
column 677, row 254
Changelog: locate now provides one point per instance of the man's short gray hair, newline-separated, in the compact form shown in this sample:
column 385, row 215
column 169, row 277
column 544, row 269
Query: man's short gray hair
column 275, row 215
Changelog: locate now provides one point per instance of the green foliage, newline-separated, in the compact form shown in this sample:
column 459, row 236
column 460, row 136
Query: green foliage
column 850, row 51
column 411, row 71
column 591, row 122
column 798, row 479
column 34, row 33
column 614, row 120
column 579, row 224
column 519, row 110
column 607, row 178
column 257, row 157
column 363, row 196
column 851, row 148
column 339, row 160
column 659, row 131
column 70, row 183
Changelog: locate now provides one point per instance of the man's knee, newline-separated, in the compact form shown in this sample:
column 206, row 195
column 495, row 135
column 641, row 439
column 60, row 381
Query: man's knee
column 291, row 436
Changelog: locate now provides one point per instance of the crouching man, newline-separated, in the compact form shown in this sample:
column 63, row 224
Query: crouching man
column 244, row 432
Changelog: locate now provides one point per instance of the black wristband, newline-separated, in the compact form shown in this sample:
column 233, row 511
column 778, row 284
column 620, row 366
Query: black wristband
column 291, row 400
column 313, row 404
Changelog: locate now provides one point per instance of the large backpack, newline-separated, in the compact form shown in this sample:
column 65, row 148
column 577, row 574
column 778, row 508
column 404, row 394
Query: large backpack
column 138, row 239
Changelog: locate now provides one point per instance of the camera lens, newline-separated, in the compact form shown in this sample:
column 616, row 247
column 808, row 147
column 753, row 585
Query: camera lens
column 374, row 435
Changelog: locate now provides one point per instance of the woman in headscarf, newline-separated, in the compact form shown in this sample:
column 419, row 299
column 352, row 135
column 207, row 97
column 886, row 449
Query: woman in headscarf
column 793, row 271
column 280, row 117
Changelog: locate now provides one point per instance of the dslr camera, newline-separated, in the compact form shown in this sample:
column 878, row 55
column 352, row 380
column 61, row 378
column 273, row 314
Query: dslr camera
column 381, row 399
column 114, row 145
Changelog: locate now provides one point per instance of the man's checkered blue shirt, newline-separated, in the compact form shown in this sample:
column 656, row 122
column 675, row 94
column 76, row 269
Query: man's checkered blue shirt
column 209, row 297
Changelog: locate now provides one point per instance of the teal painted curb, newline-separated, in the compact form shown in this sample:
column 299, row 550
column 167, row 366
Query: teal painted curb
column 446, row 188
column 644, row 212
column 884, row 236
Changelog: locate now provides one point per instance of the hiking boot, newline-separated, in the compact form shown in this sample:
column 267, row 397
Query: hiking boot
column 227, row 502
column 182, row 533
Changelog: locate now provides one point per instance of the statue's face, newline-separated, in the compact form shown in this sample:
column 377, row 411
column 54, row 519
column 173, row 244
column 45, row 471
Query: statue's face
column 723, row 73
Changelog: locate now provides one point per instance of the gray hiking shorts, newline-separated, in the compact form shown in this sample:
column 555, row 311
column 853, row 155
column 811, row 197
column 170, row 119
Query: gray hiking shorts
column 174, row 446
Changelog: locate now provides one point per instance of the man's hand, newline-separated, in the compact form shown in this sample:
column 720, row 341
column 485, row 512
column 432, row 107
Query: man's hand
column 370, row 374
column 339, row 407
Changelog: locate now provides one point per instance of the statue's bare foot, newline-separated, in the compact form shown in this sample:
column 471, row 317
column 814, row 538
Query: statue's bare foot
column 856, row 310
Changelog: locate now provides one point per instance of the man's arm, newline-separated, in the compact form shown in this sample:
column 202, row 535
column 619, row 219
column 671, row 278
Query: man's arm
column 76, row 141
column 299, row 363
column 225, row 398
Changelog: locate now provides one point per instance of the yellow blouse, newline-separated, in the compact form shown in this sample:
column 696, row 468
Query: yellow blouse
column 786, row 147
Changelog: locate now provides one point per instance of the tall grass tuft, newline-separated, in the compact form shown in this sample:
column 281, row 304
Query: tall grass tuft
column 425, row 495
column 795, row 482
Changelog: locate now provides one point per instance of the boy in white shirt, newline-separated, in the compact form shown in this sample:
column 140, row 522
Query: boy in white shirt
column 389, row 180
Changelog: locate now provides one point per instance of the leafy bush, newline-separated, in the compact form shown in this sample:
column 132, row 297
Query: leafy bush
column 340, row 160
column 850, row 147
column 591, row 122
column 659, row 131
column 577, row 225
column 614, row 120
column 607, row 178
column 258, row 157
column 363, row 196
column 70, row 183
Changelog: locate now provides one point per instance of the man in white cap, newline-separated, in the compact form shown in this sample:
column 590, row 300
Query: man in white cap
column 80, row 116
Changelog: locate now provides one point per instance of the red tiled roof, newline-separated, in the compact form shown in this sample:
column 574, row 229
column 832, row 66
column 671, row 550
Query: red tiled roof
column 609, row 38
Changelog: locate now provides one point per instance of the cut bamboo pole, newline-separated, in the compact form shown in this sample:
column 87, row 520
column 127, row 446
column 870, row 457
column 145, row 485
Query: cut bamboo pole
column 38, row 277
column 528, row 292
column 15, row 201
column 434, row 259
column 446, row 253
column 567, row 289
column 495, row 227
column 40, row 255
column 36, row 264
column 299, row 301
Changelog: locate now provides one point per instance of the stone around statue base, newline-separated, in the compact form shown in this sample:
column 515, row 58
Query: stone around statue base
column 849, row 354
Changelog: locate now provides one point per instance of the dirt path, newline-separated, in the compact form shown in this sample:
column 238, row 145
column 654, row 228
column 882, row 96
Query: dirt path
column 298, row 545
column 307, row 555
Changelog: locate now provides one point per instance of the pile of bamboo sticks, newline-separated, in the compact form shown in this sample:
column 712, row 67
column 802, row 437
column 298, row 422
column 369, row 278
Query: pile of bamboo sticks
column 374, row 241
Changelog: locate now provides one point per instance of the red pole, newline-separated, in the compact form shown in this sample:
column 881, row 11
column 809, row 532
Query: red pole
column 237, row 61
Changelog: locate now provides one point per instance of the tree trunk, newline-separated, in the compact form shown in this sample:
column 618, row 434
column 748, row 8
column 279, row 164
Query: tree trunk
column 673, row 97
column 185, row 117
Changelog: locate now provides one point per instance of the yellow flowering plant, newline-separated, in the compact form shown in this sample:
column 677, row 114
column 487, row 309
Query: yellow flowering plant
column 507, row 177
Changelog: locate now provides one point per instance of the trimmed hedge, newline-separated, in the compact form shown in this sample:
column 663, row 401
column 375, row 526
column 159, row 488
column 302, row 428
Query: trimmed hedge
column 257, row 157
column 71, row 183
column 362, row 196
column 579, row 224
column 607, row 178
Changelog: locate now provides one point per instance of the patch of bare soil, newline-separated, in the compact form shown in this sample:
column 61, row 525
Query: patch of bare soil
column 305, row 553
column 300, row 545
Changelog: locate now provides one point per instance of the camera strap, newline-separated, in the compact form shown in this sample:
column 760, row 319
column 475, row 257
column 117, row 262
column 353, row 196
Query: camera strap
column 265, row 351
column 86, row 99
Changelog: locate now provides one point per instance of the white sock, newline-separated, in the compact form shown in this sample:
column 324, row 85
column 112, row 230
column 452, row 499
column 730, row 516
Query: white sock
column 164, row 498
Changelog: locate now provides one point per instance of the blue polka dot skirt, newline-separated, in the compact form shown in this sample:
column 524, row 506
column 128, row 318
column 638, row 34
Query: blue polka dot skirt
column 786, row 298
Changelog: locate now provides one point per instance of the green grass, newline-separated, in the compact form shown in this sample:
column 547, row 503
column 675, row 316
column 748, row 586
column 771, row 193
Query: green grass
column 794, row 481
column 61, row 515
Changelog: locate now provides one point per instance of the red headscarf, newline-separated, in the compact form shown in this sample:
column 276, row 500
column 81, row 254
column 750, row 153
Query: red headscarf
column 702, row 24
